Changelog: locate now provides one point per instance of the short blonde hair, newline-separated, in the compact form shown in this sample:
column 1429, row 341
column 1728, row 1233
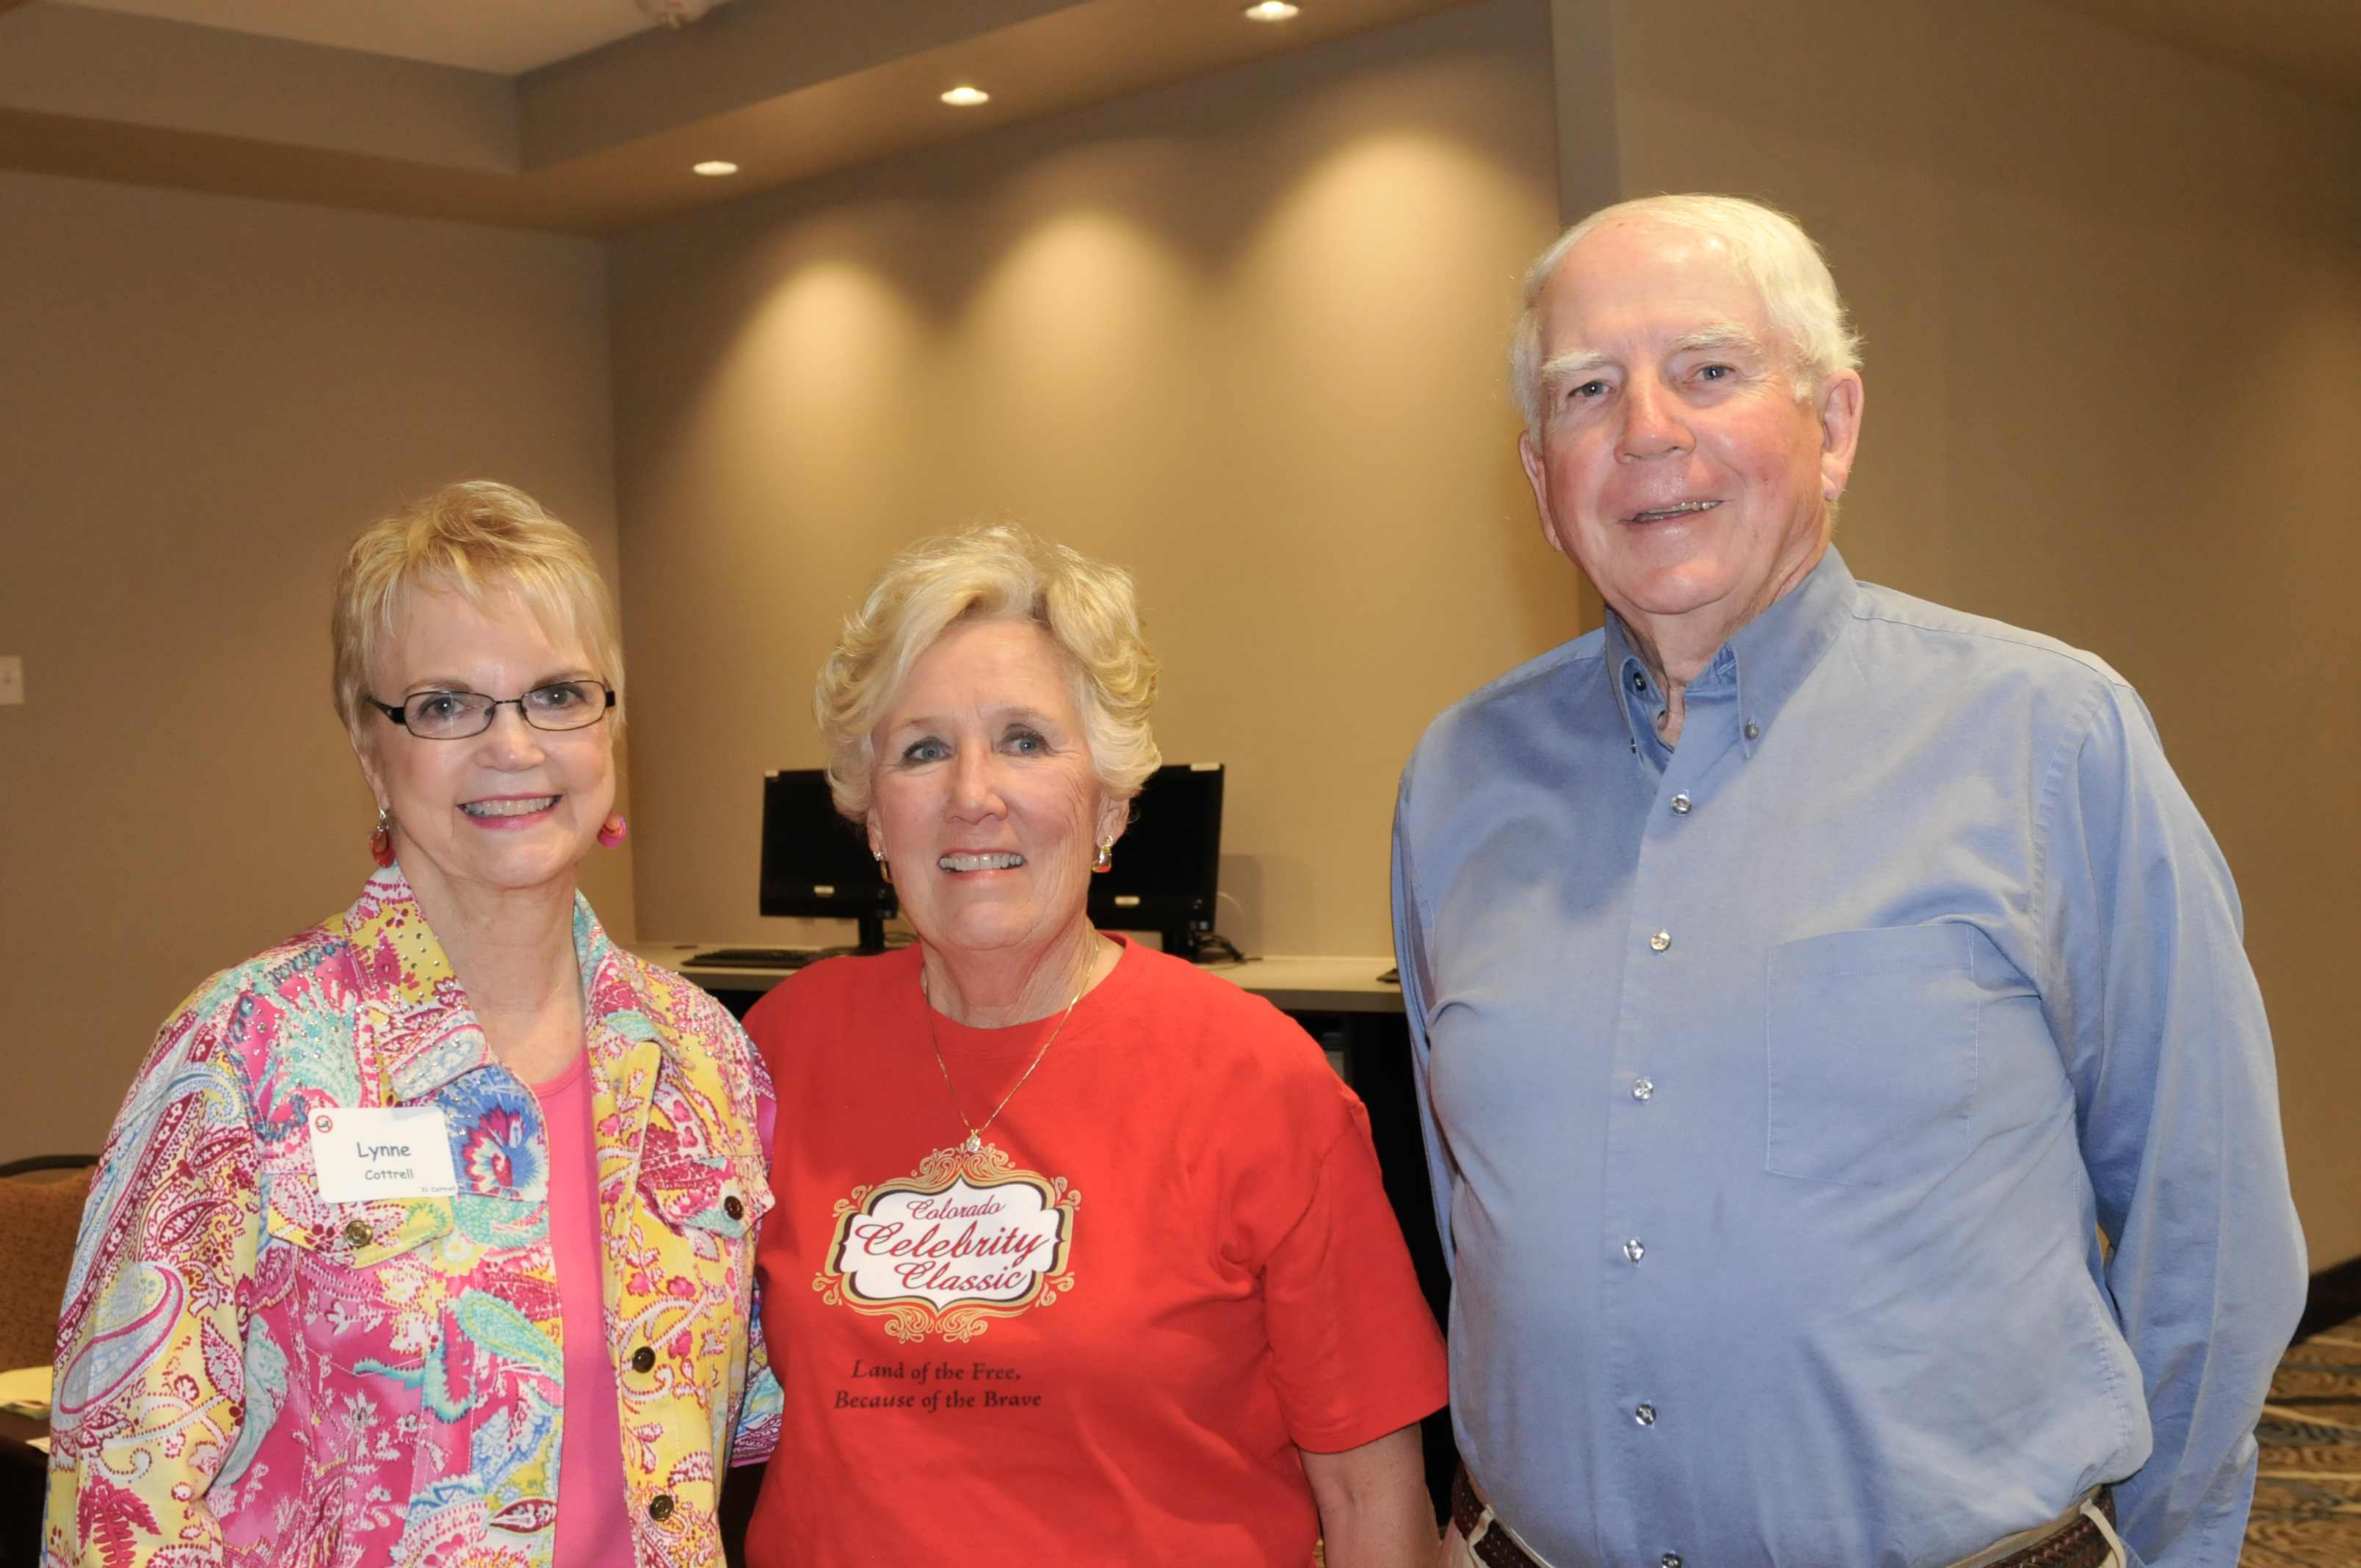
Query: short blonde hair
column 1770, row 250
column 994, row 570
column 471, row 539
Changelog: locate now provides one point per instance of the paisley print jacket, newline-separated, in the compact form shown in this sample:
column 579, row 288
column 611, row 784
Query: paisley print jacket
column 250, row 1375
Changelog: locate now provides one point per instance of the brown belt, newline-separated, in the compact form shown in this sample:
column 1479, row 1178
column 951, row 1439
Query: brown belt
column 2077, row 1544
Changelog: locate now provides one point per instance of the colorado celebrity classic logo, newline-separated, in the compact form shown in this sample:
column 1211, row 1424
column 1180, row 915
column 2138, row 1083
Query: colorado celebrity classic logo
column 962, row 1240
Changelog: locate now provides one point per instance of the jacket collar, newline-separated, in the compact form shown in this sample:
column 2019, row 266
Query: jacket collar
column 416, row 1021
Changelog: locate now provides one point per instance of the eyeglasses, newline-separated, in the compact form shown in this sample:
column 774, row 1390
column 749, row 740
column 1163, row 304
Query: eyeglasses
column 458, row 716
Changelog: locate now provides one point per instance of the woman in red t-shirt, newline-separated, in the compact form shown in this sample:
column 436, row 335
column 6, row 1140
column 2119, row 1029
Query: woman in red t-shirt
column 1080, row 1254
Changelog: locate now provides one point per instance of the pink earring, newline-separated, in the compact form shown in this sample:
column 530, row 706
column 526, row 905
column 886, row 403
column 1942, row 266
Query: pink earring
column 381, row 840
column 612, row 832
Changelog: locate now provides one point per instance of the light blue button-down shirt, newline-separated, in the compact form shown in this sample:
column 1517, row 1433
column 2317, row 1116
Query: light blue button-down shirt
column 1778, row 1085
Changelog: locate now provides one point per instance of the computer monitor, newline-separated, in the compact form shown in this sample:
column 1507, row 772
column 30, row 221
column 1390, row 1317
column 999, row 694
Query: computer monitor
column 815, row 864
column 1167, row 865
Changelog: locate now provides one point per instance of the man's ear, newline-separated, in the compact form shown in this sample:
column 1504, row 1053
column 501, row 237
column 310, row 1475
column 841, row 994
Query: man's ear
column 1841, row 403
column 1529, row 454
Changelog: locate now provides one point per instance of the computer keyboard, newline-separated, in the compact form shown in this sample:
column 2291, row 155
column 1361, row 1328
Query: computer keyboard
column 756, row 958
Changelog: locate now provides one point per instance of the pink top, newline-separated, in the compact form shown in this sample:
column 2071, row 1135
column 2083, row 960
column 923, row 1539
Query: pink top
column 594, row 1526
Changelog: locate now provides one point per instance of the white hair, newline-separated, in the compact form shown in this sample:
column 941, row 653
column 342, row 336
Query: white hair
column 991, row 570
column 1769, row 248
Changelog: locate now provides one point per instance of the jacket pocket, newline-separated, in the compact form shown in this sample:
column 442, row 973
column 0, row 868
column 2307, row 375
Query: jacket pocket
column 1871, row 1048
column 727, row 1195
column 362, row 1234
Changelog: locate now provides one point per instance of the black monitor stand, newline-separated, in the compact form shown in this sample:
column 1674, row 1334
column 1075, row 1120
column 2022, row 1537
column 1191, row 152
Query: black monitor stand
column 872, row 933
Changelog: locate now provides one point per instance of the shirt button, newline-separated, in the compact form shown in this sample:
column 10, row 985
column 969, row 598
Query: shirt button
column 733, row 1208
column 357, row 1232
column 1669, row 1560
column 1642, row 1089
column 1633, row 1250
column 660, row 1507
column 1646, row 1415
column 1661, row 940
column 643, row 1360
column 1639, row 682
column 1754, row 732
column 1681, row 805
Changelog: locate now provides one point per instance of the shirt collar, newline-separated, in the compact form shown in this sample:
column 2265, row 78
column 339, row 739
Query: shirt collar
column 1766, row 659
column 1637, row 696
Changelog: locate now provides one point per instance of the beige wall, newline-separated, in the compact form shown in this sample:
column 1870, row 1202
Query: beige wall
column 1242, row 335
column 203, row 400
column 2111, row 296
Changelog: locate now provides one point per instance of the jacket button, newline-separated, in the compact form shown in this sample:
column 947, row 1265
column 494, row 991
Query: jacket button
column 643, row 1360
column 660, row 1507
column 733, row 1208
column 357, row 1232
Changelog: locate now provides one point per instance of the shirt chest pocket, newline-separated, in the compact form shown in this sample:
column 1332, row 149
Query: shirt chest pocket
column 1871, row 1055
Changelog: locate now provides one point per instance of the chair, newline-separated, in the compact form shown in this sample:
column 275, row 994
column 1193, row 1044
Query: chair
column 38, row 1219
column 40, row 1209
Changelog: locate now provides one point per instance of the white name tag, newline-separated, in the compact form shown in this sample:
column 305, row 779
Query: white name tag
column 395, row 1151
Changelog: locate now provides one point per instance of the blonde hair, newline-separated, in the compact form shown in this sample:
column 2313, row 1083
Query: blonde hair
column 1770, row 250
column 471, row 539
column 994, row 570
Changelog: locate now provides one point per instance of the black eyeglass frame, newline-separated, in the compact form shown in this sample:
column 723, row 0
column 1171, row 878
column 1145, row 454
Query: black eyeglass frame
column 399, row 713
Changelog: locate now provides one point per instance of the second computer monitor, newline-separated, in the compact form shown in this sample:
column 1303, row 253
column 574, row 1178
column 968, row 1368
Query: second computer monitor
column 817, row 865
column 1167, row 865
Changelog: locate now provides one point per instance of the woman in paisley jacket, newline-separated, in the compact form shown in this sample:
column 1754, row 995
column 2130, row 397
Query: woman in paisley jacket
column 426, row 1237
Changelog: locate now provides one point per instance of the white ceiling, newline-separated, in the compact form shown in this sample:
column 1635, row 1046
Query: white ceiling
column 504, row 35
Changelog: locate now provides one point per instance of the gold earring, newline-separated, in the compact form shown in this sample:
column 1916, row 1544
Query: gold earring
column 1105, row 862
column 884, row 868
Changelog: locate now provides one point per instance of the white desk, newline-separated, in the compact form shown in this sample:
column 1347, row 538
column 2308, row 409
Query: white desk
column 1297, row 985
column 1316, row 984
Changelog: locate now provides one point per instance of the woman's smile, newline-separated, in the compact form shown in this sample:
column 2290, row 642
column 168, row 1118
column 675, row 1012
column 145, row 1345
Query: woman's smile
column 965, row 862
column 504, row 811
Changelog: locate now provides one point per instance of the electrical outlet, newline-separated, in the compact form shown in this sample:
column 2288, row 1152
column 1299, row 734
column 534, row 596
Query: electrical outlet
column 12, row 680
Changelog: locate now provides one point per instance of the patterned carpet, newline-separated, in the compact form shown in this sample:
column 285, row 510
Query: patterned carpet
column 2308, row 1498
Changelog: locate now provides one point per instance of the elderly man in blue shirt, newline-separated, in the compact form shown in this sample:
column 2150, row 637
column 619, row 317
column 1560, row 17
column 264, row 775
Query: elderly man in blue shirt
column 1851, row 1110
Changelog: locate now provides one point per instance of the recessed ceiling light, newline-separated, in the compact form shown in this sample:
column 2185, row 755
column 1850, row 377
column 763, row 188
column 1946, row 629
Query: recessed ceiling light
column 715, row 167
column 967, row 97
column 1272, row 11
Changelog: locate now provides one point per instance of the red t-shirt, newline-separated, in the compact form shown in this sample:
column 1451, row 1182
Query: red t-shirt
column 1104, row 1338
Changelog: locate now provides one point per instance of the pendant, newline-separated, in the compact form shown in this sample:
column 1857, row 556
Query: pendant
column 974, row 1143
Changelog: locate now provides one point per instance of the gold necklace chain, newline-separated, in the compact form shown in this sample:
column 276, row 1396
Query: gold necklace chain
column 975, row 1134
